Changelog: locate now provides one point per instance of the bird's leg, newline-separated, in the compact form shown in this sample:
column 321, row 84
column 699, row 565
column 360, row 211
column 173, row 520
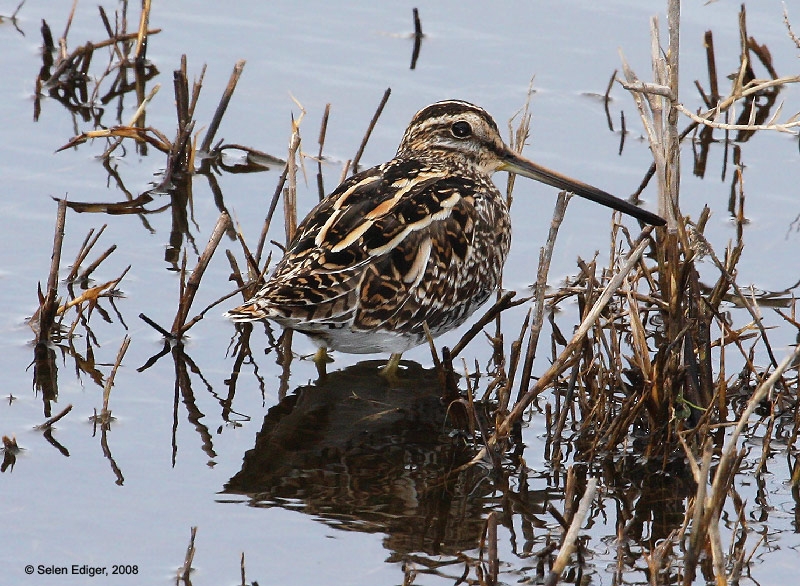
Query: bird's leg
column 321, row 359
column 390, row 369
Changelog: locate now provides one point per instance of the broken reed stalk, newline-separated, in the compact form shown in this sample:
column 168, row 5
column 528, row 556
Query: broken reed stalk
column 185, row 570
column 711, row 63
column 571, row 536
column 222, row 106
column 91, row 268
column 368, row 133
column 505, row 301
column 289, row 167
column 273, row 205
column 181, row 155
column 417, row 36
column 323, row 130
column 672, row 143
column 49, row 304
column 49, row 423
column 179, row 326
column 141, row 35
column 105, row 414
column 290, row 191
column 84, row 250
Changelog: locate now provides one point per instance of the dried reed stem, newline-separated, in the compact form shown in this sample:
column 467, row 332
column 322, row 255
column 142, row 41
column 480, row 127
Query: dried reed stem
column 323, row 130
column 84, row 250
column 491, row 537
column 273, row 204
column 789, row 30
column 185, row 570
column 568, row 545
column 91, row 268
column 179, row 326
column 222, row 106
column 370, row 128
column 503, row 303
column 545, row 257
column 750, row 126
column 48, row 304
column 49, row 423
column 141, row 36
column 418, row 36
column 290, row 191
column 105, row 413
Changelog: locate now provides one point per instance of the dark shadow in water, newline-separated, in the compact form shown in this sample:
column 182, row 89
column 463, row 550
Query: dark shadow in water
column 651, row 496
column 185, row 371
column 45, row 375
column 364, row 455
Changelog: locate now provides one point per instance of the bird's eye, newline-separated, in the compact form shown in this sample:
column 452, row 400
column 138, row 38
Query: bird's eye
column 461, row 129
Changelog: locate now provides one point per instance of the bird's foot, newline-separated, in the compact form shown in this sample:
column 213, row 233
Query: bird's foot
column 321, row 359
column 389, row 370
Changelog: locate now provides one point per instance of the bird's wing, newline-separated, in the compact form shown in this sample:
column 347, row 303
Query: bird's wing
column 378, row 250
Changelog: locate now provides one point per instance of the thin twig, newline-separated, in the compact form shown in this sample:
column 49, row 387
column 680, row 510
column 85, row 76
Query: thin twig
column 503, row 303
column 48, row 304
column 568, row 546
column 49, row 423
column 126, row 341
column 179, row 326
column 785, row 127
column 371, row 126
column 84, row 250
column 185, row 570
column 545, row 257
column 91, row 268
column 222, row 106
column 141, row 37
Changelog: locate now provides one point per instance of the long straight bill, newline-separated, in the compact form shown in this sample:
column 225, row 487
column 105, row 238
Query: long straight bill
column 513, row 163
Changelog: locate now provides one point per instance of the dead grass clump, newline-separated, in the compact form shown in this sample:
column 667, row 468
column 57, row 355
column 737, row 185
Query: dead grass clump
column 645, row 371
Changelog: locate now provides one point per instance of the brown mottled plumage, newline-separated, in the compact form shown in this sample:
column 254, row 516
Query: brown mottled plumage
column 421, row 239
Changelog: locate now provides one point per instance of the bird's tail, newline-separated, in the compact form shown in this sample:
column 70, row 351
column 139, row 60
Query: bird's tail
column 248, row 312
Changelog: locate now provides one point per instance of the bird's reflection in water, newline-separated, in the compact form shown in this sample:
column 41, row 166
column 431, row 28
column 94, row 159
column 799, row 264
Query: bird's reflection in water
column 362, row 455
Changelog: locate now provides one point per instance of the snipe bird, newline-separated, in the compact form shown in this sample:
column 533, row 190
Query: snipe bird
column 418, row 240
